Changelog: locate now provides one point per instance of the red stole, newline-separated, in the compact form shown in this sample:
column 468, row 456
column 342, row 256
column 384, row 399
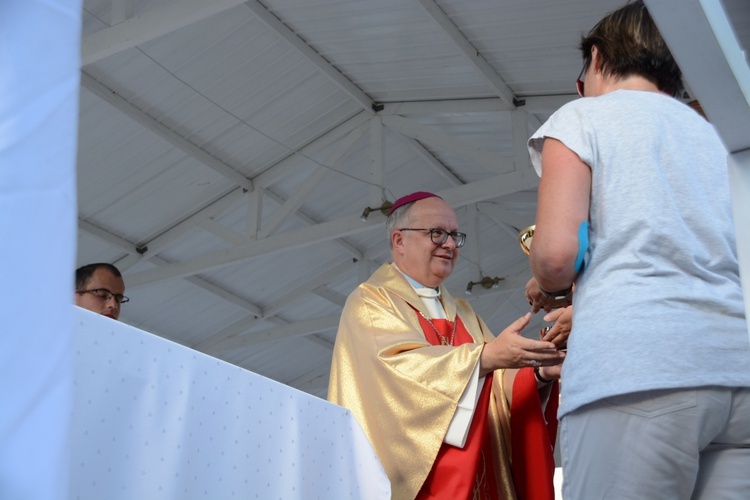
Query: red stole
column 533, row 435
column 466, row 472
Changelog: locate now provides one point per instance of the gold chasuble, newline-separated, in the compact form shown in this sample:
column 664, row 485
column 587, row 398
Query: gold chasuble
column 402, row 389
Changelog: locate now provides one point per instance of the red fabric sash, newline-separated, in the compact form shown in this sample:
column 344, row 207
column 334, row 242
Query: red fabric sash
column 466, row 472
column 533, row 435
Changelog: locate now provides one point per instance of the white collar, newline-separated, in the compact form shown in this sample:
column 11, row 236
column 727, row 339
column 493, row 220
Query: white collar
column 422, row 291
column 430, row 296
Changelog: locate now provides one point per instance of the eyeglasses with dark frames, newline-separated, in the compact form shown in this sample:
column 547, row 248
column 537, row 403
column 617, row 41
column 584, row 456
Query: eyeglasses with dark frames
column 105, row 295
column 580, row 83
column 440, row 236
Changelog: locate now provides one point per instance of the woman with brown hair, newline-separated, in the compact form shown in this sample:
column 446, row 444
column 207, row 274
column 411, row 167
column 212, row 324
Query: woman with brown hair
column 634, row 208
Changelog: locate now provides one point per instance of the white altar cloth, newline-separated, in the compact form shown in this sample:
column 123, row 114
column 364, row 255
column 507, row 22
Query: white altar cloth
column 155, row 420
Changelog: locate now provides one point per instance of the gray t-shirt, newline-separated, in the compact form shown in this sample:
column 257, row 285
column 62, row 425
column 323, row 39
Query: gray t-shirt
column 659, row 303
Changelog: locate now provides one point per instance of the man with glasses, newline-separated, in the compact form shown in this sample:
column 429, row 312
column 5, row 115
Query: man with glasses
column 418, row 367
column 100, row 288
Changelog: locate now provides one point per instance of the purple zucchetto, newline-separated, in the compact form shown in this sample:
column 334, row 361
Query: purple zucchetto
column 409, row 198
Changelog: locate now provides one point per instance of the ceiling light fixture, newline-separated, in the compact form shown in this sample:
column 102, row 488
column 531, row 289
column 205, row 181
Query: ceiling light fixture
column 485, row 282
column 384, row 208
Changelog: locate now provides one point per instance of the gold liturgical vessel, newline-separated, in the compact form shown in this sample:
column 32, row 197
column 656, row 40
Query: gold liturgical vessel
column 525, row 237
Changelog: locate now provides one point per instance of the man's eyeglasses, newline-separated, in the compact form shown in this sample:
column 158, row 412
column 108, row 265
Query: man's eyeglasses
column 105, row 295
column 579, row 81
column 440, row 236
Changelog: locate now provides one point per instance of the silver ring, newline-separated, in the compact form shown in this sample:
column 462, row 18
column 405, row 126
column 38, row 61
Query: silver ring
column 534, row 363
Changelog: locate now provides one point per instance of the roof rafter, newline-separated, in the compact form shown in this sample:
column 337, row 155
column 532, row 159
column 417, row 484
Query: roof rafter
column 148, row 25
column 471, row 52
column 106, row 236
column 127, row 246
column 306, row 50
column 433, row 162
column 377, row 161
column 444, row 142
column 287, row 166
column 534, row 104
column 330, row 295
column 314, row 382
column 121, row 10
column 472, row 218
column 292, row 204
column 510, row 222
column 169, row 235
column 353, row 251
column 458, row 196
column 217, row 290
column 244, row 324
column 161, row 130
column 221, row 231
column 297, row 329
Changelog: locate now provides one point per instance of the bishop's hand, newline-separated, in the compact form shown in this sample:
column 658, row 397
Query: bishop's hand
column 511, row 350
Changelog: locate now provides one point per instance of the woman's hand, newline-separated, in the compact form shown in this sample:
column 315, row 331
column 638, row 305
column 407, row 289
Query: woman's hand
column 559, row 332
column 539, row 301
column 550, row 372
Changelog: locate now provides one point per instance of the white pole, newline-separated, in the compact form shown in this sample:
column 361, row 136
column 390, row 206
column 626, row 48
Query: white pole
column 39, row 87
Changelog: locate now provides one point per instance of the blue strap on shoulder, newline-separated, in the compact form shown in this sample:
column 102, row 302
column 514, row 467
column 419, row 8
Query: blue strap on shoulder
column 583, row 246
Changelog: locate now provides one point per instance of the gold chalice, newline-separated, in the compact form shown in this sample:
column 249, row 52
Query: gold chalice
column 525, row 237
